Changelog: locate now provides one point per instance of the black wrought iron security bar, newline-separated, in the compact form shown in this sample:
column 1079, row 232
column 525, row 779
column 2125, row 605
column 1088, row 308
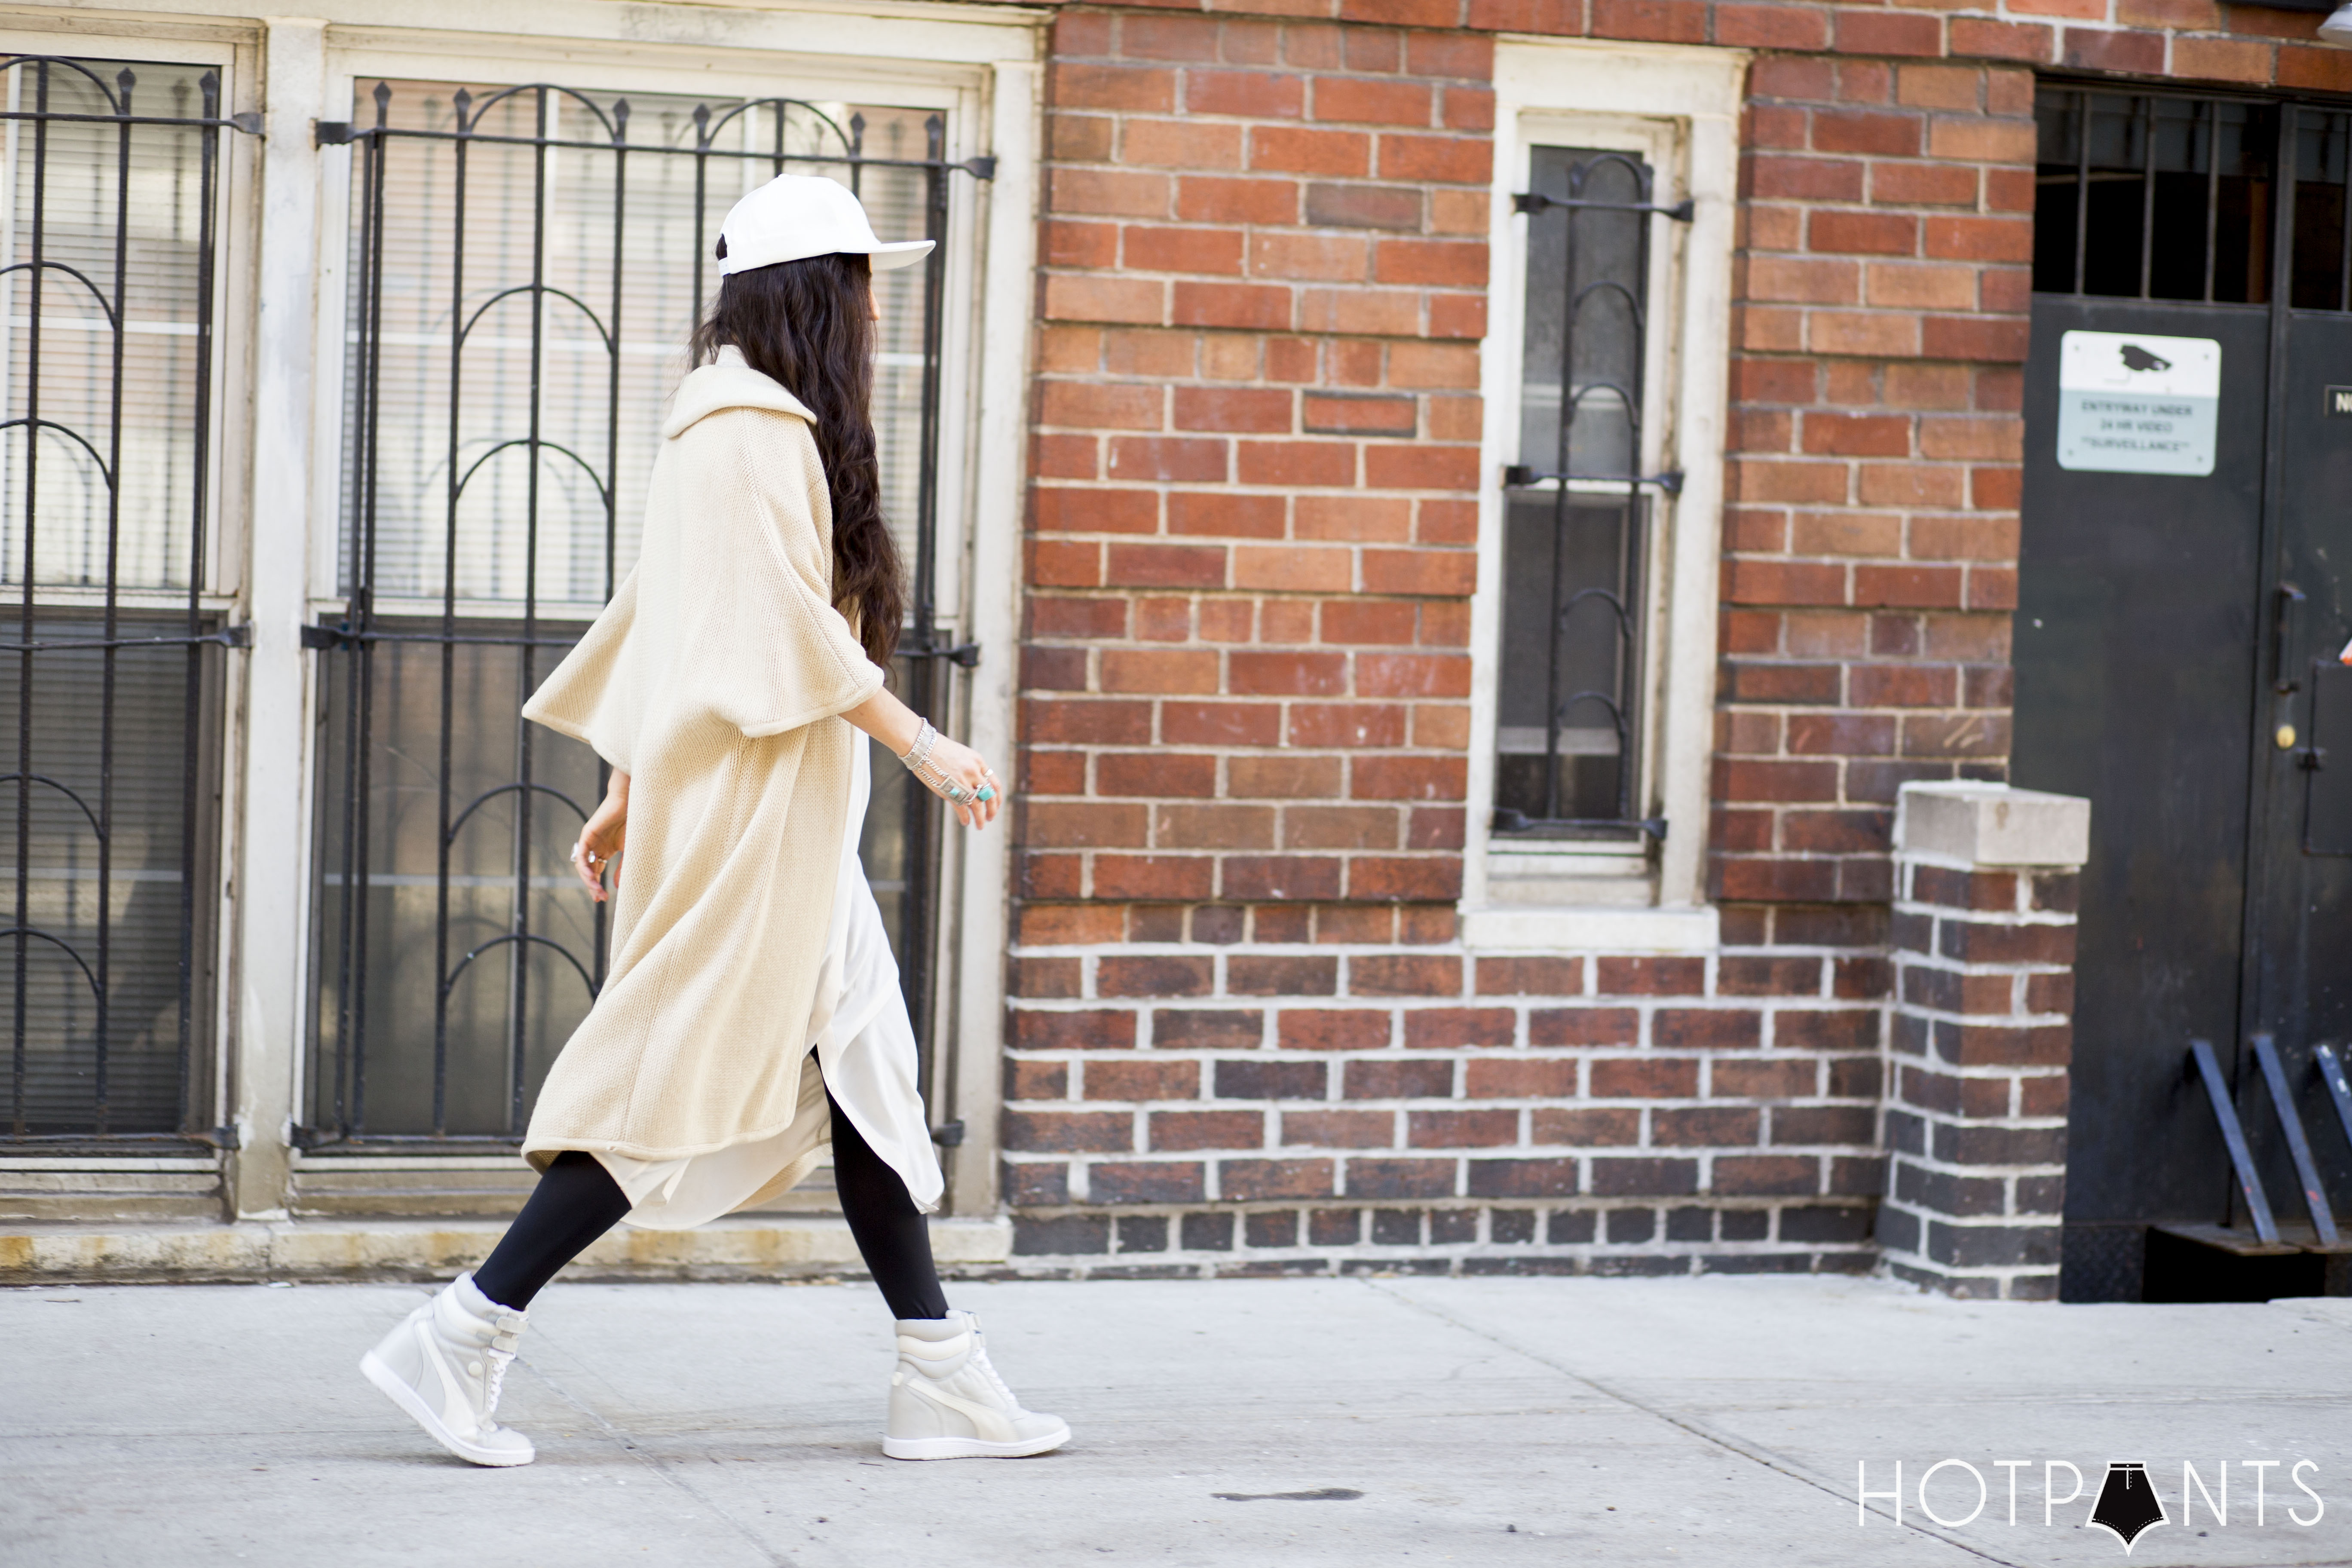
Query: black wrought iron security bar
column 2192, row 197
column 1574, row 682
column 340, row 1107
column 106, row 1004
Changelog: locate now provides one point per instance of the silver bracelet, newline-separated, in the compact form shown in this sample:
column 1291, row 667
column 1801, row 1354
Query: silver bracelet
column 920, row 752
column 918, row 761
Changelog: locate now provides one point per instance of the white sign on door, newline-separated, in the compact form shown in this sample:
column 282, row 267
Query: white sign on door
column 2132, row 403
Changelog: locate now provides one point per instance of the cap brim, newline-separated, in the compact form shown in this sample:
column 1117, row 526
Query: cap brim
column 904, row 253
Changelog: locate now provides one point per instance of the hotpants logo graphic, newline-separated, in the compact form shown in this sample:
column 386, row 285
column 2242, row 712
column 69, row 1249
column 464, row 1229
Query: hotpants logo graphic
column 2127, row 1505
column 2130, row 1502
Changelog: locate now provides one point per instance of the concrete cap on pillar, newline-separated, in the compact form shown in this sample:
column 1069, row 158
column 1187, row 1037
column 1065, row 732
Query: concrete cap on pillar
column 1992, row 825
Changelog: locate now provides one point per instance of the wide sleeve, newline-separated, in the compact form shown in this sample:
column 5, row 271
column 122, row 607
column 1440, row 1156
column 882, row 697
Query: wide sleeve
column 591, row 695
column 761, row 643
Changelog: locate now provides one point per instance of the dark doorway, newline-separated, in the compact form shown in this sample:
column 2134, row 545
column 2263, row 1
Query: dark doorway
column 2177, row 637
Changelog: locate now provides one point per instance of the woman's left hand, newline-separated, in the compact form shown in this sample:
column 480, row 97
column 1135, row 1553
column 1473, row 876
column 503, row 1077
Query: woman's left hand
column 964, row 768
column 602, row 836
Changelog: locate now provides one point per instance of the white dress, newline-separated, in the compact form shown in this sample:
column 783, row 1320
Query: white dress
column 865, row 1050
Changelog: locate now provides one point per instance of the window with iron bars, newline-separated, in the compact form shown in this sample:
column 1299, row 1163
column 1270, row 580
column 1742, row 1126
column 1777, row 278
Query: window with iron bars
column 2151, row 195
column 526, row 265
column 1569, row 709
column 110, row 180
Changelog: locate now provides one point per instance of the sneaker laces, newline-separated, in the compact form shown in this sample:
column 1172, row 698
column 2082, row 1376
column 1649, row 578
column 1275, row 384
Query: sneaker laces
column 987, row 1368
column 507, row 1336
column 500, row 1361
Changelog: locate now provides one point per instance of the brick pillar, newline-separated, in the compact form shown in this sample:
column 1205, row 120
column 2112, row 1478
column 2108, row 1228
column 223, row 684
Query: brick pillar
column 1983, row 943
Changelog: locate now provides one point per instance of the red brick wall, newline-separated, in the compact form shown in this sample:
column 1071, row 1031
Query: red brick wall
column 1870, row 539
column 1256, row 456
column 1244, row 1033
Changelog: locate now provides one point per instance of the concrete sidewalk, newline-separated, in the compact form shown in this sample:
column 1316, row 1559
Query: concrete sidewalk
column 1311, row 1422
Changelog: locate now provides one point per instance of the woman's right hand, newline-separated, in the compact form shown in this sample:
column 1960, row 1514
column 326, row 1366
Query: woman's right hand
column 602, row 838
column 900, row 727
column 962, row 764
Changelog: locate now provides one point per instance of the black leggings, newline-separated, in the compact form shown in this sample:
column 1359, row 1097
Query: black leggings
column 577, row 1201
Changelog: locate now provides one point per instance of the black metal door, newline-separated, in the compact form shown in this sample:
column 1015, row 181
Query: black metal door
column 2298, row 982
column 2136, row 675
column 2175, row 647
column 526, row 265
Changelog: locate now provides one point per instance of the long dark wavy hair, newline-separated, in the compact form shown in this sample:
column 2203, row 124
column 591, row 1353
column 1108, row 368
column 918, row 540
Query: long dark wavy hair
column 809, row 326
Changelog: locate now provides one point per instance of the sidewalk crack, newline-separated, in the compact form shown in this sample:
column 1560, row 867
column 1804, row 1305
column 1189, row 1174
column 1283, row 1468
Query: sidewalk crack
column 1753, row 1453
column 668, row 1474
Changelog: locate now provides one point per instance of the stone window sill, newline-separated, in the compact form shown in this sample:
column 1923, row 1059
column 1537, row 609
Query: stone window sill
column 1689, row 929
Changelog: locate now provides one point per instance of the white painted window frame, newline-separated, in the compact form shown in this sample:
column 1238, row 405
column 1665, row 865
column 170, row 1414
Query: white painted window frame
column 983, row 60
column 969, row 961
column 232, row 301
column 232, row 48
column 1679, row 108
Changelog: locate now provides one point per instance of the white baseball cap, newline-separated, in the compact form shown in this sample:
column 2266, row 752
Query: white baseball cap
column 794, row 216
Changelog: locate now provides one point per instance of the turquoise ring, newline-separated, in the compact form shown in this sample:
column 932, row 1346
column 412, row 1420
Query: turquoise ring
column 987, row 792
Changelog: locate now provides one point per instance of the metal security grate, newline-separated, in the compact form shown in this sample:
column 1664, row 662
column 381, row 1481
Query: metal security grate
column 109, row 186
column 2188, row 198
column 1568, row 762
column 527, row 263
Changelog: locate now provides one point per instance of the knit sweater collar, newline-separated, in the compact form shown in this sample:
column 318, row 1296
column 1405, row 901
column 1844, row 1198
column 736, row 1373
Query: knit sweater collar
column 728, row 384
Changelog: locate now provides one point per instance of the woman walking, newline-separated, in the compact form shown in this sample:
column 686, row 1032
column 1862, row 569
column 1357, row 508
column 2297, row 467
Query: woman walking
column 751, row 1011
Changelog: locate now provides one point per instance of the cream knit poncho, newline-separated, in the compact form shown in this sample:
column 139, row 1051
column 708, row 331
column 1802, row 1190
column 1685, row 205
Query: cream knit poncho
column 714, row 678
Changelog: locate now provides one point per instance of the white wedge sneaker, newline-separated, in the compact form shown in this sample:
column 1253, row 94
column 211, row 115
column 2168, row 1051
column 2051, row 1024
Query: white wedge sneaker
column 947, row 1402
column 444, row 1365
